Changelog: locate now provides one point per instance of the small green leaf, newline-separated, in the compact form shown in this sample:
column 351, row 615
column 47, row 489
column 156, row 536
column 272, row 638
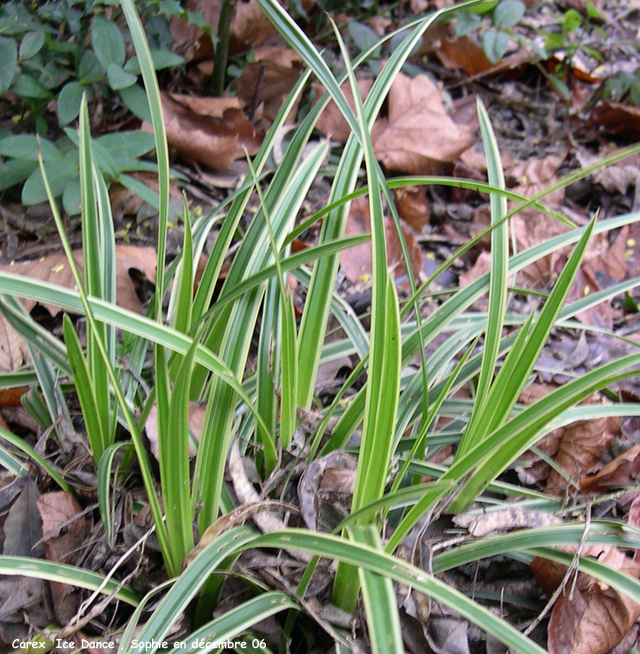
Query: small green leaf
column 71, row 197
column 364, row 37
column 466, row 23
column 14, row 171
column 124, row 146
column 28, row 87
column 161, row 59
column 508, row 13
column 136, row 100
column 8, row 62
column 634, row 91
column 560, row 87
column 554, row 42
column 107, row 42
column 31, row 44
column 118, row 78
column 59, row 173
column 571, row 21
column 25, row 146
column 170, row 8
column 53, row 75
column 69, row 102
column 483, row 7
column 494, row 45
column 90, row 69
column 592, row 12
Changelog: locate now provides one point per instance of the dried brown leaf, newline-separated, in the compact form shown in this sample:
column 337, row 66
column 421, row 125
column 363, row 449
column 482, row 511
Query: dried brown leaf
column 463, row 53
column 504, row 520
column 413, row 206
column 618, row 118
column 331, row 121
column 620, row 472
column 594, row 618
column 356, row 261
column 581, row 448
column 65, row 529
column 213, row 131
column 13, row 349
column 419, row 137
column 55, row 269
column 267, row 81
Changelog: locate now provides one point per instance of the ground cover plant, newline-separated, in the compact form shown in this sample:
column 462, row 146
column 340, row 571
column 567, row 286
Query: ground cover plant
column 234, row 502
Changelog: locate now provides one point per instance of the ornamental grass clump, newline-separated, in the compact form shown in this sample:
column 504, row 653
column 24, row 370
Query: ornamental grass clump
column 201, row 348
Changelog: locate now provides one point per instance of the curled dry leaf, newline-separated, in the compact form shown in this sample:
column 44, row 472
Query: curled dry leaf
column 504, row 520
column 582, row 445
column 413, row 206
column 618, row 118
column 356, row 261
column 594, row 618
column 213, row 131
column 332, row 472
column 620, row 472
column 463, row 53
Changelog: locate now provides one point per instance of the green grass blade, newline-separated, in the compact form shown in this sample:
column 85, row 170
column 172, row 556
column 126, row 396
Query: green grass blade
column 53, row 472
column 86, row 391
column 24, row 566
column 105, row 502
column 241, row 618
column 497, row 281
column 162, row 150
column 379, row 597
column 184, row 279
column 520, row 362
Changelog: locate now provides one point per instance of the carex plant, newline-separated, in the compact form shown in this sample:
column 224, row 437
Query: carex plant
column 201, row 341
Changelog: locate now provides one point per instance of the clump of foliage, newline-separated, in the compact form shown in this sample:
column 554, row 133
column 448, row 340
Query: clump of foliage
column 53, row 53
column 200, row 352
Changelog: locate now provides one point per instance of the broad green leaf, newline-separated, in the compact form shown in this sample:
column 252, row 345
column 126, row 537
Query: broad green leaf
column 90, row 70
column 364, row 37
column 508, row 13
column 494, row 45
column 8, row 63
column 31, row 44
column 161, row 59
column 60, row 173
column 15, row 171
column 126, row 145
column 136, row 100
column 118, row 78
column 571, row 21
column 25, row 146
column 107, row 42
column 466, row 23
column 483, row 7
column 69, row 102
column 27, row 86
column 71, row 197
